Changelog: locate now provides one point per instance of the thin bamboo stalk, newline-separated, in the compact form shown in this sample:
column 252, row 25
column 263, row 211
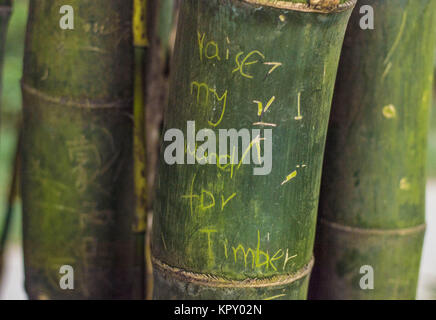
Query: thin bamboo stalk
column 220, row 232
column 12, row 197
column 372, row 207
column 160, row 17
column 5, row 12
column 77, row 177
column 141, row 42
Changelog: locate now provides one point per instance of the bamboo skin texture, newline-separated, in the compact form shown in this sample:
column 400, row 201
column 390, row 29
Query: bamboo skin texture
column 77, row 174
column 219, row 232
column 5, row 12
column 372, row 205
column 140, row 41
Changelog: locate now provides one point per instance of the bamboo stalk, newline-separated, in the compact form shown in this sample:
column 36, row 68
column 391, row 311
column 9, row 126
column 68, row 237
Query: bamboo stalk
column 5, row 12
column 77, row 178
column 141, row 42
column 372, row 207
column 160, row 16
column 220, row 232
column 12, row 197
column 12, row 194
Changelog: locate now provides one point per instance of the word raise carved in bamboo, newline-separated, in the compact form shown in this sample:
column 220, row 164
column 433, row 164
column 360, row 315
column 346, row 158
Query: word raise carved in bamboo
column 220, row 231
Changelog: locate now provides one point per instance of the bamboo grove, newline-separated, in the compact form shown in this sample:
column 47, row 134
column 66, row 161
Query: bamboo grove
column 127, row 177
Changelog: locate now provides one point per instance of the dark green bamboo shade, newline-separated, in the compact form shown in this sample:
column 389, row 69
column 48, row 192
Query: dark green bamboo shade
column 5, row 12
column 77, row 154
column 372, row 207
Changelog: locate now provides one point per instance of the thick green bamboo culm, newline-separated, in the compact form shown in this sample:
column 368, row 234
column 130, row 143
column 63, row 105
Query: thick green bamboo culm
column 219, row 231
column 372, row 205
column 77, row 175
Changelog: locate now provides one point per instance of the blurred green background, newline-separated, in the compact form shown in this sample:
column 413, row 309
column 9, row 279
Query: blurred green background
column 11, row 106
column 10, row 116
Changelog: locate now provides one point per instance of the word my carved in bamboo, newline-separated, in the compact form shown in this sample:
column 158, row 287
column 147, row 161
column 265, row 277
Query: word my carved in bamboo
column 210, row 95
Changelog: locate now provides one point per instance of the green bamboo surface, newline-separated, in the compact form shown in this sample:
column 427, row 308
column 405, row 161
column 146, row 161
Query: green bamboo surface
column 77, row 177
column 372, row 207
column 5, row 12
column 220, row 232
